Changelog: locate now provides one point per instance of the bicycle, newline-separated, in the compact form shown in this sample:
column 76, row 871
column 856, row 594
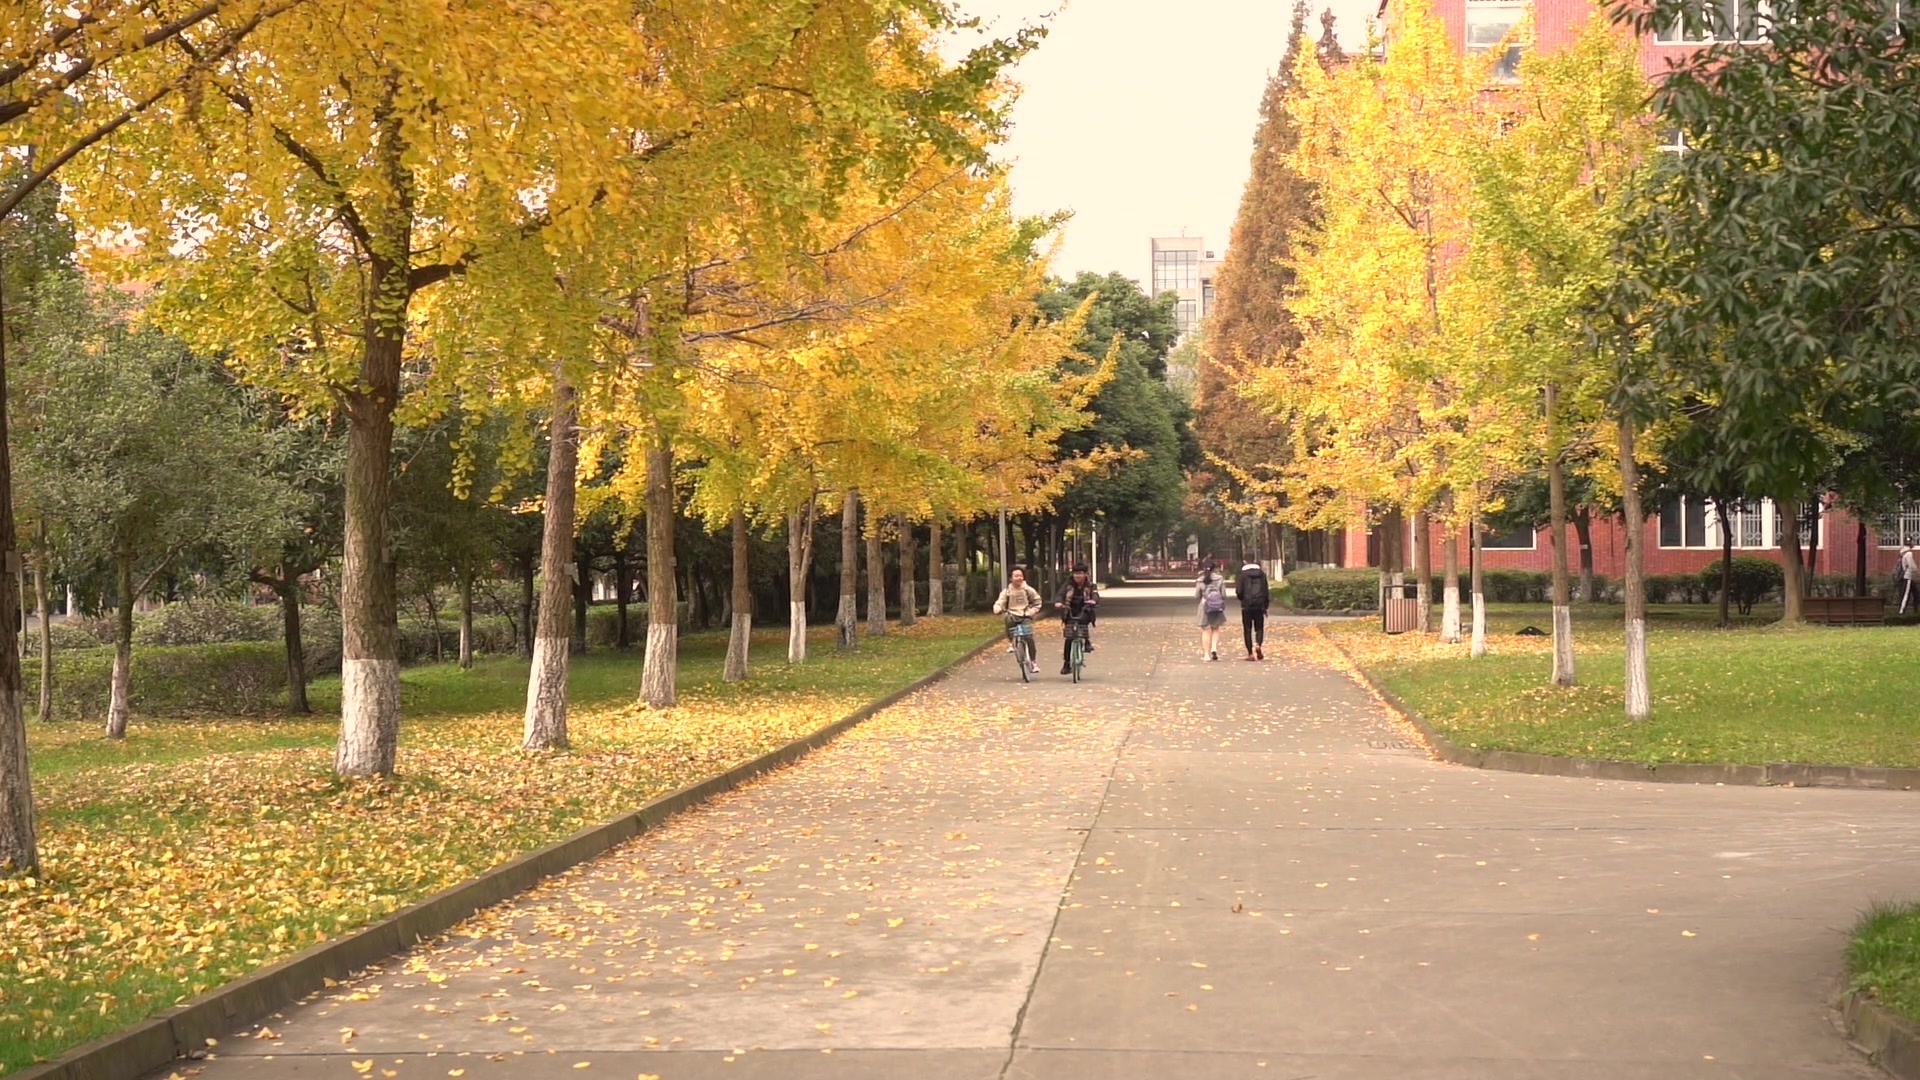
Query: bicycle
column 1076, row 631
column 1020, row 636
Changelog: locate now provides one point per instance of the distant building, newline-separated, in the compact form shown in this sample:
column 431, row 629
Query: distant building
column 1182, row 265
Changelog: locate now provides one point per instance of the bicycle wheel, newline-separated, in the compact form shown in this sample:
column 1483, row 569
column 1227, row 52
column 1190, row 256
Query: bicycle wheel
column 1020, row 657
column 1079, row 654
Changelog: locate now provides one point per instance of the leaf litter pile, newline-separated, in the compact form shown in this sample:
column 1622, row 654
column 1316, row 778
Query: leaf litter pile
column 166, row 877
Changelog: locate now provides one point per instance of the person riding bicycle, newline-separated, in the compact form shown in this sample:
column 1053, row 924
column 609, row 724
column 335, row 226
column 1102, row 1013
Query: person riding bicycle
column 1020, row 602
column 1078, row 603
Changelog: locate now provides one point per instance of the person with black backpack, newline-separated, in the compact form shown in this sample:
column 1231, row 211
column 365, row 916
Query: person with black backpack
column 1251, row 591
column 1211, row 590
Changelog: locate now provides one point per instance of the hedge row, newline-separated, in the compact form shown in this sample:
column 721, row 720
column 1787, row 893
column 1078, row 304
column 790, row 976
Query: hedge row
column 229, row 677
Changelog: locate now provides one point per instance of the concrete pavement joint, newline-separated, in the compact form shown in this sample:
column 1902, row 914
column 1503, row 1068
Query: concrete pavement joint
column 1774, row 774
column 1086, row 837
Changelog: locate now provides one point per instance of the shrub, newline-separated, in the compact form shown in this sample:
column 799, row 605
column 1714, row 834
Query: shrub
column 229, row 677
column 67, row 636
column 206, row 622
column 1350, row 589
column 1506, row 585
column 1753, row 578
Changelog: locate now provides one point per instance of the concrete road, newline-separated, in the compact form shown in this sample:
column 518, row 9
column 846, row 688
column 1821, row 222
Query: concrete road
column 1176, row 869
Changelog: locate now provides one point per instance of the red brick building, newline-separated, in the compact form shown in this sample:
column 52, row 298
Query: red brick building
column 1682, row 536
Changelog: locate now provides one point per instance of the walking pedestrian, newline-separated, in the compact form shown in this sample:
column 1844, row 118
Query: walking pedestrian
column 1211, row 590
column 1905, row 574
column 1251, row 590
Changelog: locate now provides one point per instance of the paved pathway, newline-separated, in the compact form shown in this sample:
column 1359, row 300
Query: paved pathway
column 1178, row 869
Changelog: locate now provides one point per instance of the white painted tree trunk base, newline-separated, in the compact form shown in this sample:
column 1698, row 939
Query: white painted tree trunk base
column 1479, row 647
column 118, row 711
column 545, row 725
column 1562, row 645
column 936, row 598
column 797, row 632
column 909, row 601
column 877, row 611
column 656, row 677
column 1450, row 615
column 1639, row 697
column 369, row 717
column 847, row 621
column 738, row 643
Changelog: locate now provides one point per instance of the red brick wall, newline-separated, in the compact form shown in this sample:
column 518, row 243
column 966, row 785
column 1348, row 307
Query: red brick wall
column 1835, row 556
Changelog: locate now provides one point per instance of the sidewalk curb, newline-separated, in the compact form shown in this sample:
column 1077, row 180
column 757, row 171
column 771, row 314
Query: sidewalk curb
column 1773, row 774
column 158, row 1041
column 1889, row 1040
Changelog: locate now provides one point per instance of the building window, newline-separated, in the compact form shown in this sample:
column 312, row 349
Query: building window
column 1175, row 271
column 1720, row 20
column 1683, row 522
column 1520, row 539
column 1206, row 297
column 1900, row 528
column 1688, row 521
column 1186, row 313
column 1487, row 26
column 1673, row 141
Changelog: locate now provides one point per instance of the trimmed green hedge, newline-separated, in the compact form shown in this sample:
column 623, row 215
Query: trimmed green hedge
column 231, row 677
column 1753, row 579
column 1348, row 589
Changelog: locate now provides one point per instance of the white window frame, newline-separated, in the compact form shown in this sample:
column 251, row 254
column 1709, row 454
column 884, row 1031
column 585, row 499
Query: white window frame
column 1762, row 11
column 1762, row 516
column 1519, row 11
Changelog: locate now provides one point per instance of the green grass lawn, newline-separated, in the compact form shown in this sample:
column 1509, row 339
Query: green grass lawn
column 1885, row 957
column 1753, row 694
column 199, row 849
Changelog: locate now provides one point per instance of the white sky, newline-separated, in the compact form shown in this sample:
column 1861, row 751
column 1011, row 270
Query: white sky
column 1138, row 115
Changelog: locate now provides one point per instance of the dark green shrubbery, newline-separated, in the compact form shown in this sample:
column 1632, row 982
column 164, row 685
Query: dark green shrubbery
column 1351, row 589
column 236, row 677
column 1754, row 579
column 206, row 622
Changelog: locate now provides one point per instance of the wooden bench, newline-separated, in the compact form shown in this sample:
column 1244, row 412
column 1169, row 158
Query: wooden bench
column 1845, row 610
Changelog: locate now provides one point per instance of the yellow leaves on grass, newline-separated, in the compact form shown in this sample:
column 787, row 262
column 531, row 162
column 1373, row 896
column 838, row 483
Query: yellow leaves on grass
column 167, row 878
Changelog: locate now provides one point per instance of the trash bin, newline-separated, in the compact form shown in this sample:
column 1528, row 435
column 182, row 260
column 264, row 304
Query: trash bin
column 1399, row 607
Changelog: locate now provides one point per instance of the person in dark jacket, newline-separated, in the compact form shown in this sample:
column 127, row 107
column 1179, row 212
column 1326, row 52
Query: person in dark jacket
column 1251, row 591
column 1079, row 599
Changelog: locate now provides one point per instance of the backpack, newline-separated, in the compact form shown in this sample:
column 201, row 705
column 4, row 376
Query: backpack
column 1215, row 597
column 1256, row 589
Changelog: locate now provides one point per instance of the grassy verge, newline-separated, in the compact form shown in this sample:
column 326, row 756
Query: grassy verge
column 198, row 850
column 1885, row 957
column 1753, row 694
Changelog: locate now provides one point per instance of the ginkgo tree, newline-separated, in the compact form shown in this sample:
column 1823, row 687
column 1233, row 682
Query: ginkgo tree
column 1545, row 208
column 1369, row 396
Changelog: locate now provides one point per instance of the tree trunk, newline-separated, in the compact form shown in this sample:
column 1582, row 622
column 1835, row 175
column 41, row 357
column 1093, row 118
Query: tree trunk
column 19, row 846
column 1476, row 553
column 1814, row 511
column 1721, row 510
column 1638, row 698
column 1859, row 558
column 1450, row 589
column 876, row 578
column 622, row 596
column 963, row 559
column 466, row 617
column 1795, row 585
column 799, row 576
column 369, row 614
column 909, row 571
column 663, row 614
column 1423, row 569
column 936, row 571
column 1563, row 674
column 528, row 569
column 742, row 602
column 118, row 708
column 847, row 619
column 46, row 622
column 289, row 591
column 582, row 598
column 1583, row 532
column 545, row 724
